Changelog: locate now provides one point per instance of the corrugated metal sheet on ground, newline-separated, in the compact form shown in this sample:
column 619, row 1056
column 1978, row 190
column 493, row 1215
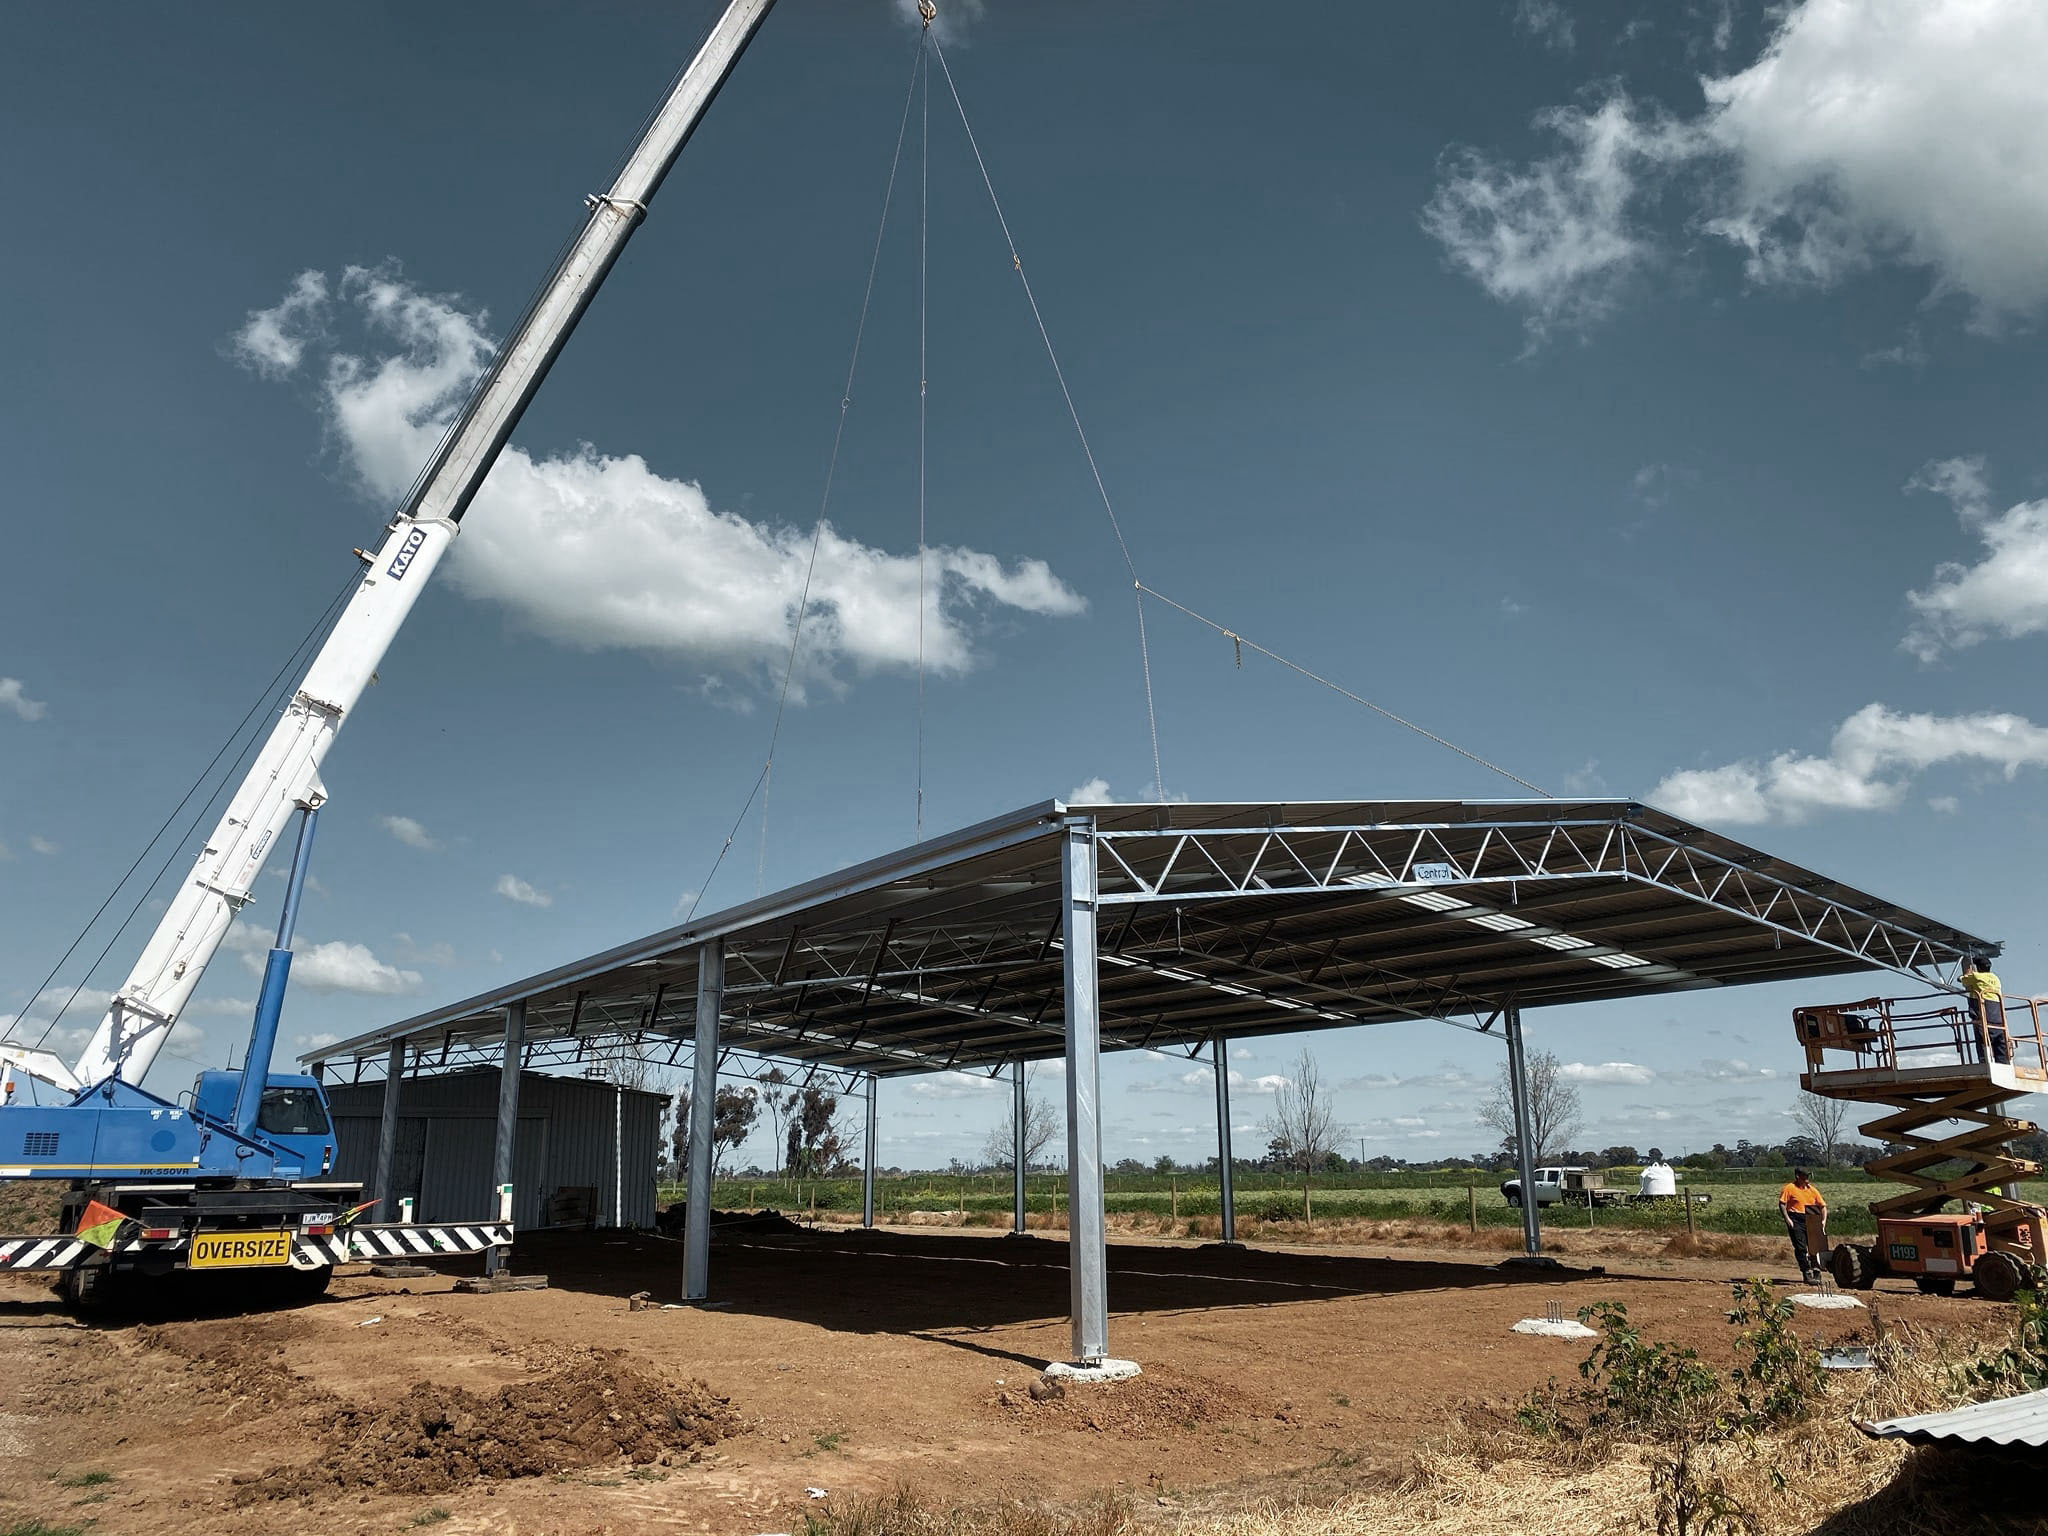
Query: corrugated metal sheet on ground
column 2021, row 1420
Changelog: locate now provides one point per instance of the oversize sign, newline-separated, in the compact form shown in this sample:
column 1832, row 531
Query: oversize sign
column 240, row 1250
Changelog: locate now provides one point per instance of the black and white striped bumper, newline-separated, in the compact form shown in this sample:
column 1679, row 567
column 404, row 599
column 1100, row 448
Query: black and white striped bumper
column 392, row 1241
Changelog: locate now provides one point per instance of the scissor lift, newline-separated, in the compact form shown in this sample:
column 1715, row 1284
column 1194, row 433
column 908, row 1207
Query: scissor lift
column 1942, row 1066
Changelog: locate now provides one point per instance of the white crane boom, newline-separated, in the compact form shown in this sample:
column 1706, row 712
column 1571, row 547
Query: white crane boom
column 286, row 774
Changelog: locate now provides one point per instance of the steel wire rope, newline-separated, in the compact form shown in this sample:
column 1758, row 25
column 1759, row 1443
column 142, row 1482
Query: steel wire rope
column 924, row 204
column 1294, row 666
column 1140, row 590
column 1059, row 373
column 311, row 637
column 761, row 779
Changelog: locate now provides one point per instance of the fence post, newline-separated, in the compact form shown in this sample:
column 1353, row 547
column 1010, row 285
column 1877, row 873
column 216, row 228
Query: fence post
column 1471, row 1207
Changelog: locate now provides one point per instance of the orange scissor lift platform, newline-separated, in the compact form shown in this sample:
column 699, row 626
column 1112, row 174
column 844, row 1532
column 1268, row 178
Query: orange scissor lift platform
column 1948, row 1073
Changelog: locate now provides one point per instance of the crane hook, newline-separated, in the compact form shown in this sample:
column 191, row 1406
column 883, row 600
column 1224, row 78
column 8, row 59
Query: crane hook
column 929, row 11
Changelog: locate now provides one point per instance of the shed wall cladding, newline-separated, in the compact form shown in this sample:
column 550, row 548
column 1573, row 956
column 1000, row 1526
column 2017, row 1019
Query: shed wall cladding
column 568, row 1130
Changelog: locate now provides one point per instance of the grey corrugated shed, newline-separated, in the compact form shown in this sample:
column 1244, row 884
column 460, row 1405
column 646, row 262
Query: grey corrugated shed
column 568, row 1130
column 2021, row 1420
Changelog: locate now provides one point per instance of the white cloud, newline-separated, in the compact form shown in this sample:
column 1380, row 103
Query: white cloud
column 1089, row 792
column 414, row 953
column 956, row 1085
column 512, row 888
column 1871, row 763
column 1894, row 130
column 1727, row 1070
column 2003, row 594
column 1947, row 805
column 43, row 846
column 408, row 832
column 1606, row 1072
column 1867, row 132
column 12, row 697
column 601, row 552
column 1547, row 21
column 336, row 966
column 272, row 341
column 1557, row 238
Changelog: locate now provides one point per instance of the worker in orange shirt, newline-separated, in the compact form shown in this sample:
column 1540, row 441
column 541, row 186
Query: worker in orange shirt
column 1795, row 1200
column 1987, row 1002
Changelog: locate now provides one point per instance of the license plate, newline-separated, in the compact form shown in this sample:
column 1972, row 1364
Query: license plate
column 239, row 1250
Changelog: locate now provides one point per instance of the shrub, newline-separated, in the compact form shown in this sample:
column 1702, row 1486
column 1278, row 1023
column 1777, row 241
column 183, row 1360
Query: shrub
column 1781, row 1376
column 1639, row 1384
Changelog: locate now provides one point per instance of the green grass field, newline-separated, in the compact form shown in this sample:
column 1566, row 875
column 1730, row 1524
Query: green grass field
column 1743, row 1200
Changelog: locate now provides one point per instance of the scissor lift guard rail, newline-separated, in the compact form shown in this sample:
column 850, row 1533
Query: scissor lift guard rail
column 1942, row 1063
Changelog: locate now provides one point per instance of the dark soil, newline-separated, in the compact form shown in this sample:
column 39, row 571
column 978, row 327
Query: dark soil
column 435, row 1437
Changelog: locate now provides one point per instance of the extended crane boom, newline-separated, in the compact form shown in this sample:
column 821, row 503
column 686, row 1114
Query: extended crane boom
column 286, row 774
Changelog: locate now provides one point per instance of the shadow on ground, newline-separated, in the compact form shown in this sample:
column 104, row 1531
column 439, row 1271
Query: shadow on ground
column 898, row 1282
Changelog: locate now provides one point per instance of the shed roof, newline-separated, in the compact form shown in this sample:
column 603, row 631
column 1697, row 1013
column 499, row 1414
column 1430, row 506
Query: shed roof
column 1218, row 918
column 2021, row 1420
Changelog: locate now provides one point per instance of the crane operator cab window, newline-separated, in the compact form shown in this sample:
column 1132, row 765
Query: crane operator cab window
column 292, row 1112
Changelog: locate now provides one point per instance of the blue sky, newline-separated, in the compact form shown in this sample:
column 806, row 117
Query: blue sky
column 1646, row 397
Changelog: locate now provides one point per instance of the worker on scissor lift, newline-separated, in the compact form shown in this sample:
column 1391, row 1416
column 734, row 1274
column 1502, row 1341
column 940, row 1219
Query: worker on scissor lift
column 1795, row 1200
column 1987, row 1005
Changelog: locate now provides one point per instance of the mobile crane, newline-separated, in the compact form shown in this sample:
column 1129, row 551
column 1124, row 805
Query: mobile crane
column 1947, row 1069
column 232, row 1176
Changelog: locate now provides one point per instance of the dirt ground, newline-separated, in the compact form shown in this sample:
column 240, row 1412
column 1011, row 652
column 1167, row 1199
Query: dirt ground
column 834, row 1360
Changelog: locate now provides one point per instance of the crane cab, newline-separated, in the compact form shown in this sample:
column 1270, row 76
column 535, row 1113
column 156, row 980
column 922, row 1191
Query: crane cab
column 294, row 1118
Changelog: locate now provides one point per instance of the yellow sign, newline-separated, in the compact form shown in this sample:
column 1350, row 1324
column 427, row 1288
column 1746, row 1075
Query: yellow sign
column 238, row 1250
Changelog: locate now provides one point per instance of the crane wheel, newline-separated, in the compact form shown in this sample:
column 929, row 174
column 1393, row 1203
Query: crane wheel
column 1854, row 1266
column 1999, row 1276
column 1936, row 1285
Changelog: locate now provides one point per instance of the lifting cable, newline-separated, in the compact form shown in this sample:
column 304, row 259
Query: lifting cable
column 1140, row 590
column 311, row 638
column 924, row 208
column 1240, row 642
column 761, row 780
column 1073, row 413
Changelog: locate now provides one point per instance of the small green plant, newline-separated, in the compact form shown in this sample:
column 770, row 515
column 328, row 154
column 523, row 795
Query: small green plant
column 1340, row 1399
column 39, row 1528
column 432, row 1516
column 1642, row 1385
column 647, row 1474
column 2023, row 1364
column 1781, row 1377
column 829, row 1441
column 1541, row 1413
column 81, row 1479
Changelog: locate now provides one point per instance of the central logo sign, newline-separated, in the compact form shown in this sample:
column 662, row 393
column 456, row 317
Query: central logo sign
column 403, row 559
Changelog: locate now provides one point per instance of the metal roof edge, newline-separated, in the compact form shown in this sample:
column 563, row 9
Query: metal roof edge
column 982, row 837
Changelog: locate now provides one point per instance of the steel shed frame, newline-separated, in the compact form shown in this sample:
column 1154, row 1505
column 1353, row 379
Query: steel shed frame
column 1209, row 922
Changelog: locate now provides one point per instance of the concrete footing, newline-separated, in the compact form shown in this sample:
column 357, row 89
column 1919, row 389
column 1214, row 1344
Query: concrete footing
column 1093, row 1370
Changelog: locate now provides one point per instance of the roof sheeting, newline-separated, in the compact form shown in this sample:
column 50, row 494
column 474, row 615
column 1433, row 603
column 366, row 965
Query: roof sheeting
column 1213, row 919
column 2021, row 1420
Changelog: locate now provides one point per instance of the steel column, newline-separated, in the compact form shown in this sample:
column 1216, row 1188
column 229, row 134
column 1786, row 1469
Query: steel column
column 1087, row 1253
column 867, row 1164
column 387, row 1132
column 1526, row 1153
column 1017, row 1123
column 1219, row 1055
column 508, row 1114
column 703, row 1116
